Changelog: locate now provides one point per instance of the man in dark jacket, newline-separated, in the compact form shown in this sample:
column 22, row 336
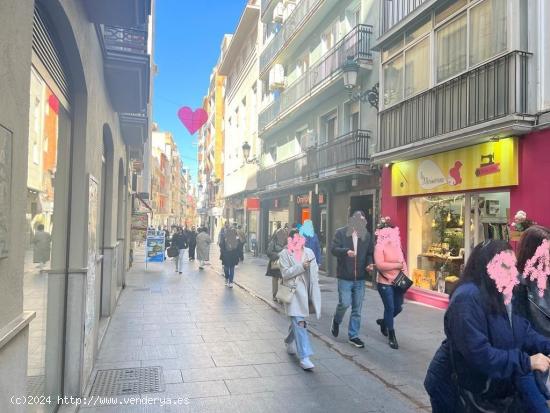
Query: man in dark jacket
column 354, row 248
column 192, row 240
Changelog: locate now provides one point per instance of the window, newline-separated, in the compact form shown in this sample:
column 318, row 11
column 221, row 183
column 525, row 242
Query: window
column 330, row 37
column 417, row 78
column 449, row 10
column 393, row 81
column 351, row 113
column 329, row 124
column 488, row 32
column 451, row 43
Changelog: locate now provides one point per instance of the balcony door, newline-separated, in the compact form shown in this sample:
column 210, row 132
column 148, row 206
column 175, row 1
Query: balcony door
column 329, row 127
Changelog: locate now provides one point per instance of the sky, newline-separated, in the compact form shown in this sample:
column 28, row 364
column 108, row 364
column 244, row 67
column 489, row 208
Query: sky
column 188, row 37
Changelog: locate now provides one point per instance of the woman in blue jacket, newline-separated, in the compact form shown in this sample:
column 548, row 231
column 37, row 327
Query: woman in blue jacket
column 489, row 354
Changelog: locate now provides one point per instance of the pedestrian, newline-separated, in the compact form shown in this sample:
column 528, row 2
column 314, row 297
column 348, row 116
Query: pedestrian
column 490, row 352
column 242, row 242
column 533, row 295
column 275, row 246
column 180, row 241
column 203, row 247
column 300, row 272
column 41, row 246
column 225, row 227
column 192, row 240
column 389, row 261
column 353, row 247
column 229, row 248
column 312, row 240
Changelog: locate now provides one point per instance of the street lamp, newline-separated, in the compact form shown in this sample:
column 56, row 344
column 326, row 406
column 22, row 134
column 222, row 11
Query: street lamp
column 246, row 153
column 351, row 72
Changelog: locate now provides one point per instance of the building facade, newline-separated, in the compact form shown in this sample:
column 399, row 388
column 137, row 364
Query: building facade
column 240, row 66
column 75, row 118
column 465, row 94
column 316, row 138
column 211, row 150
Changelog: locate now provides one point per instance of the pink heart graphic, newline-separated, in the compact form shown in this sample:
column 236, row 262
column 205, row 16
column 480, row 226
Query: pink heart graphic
column 192, row 120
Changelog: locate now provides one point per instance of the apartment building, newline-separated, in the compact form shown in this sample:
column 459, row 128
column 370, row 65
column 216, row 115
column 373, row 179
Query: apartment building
column 74, row 121
column 316, row 136
column 211, row 150
column 464, row 103
column 240, row 66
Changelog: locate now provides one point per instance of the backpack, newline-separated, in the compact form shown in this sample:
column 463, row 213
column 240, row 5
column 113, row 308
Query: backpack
column 230, row 239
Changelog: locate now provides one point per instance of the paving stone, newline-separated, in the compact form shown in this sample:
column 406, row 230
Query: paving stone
column 219, row 373
column 245, row 359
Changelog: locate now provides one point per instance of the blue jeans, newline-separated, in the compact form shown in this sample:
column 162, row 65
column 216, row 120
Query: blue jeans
column 350, row 293
column 393, row 302
column 229, row 272
column 299, row 333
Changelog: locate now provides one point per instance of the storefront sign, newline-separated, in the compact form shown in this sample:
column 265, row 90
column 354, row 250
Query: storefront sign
column 487, row 165
column 252, row 204
column 5, row 188
column 302, row 199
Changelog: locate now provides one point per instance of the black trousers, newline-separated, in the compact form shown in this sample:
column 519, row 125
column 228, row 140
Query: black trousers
column 192, row 251
column 241, row 251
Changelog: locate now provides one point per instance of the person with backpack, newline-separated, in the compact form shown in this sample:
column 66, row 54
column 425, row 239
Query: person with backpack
column 229, row 248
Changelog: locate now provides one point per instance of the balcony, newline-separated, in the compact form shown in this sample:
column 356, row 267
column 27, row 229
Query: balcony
column 127, row 68
column 134, row 128
column 394, row 11
column 493, row 92
column 348, row 152
column 123, row 13
column 304, row 9
column 356, row 44
column 266, row 8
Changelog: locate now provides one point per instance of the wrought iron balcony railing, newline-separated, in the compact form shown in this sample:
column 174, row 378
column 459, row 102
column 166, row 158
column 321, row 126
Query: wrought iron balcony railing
column 292, row 24
column 489, row 92
column 349, row 151
column 356, row 44
column 393, row 11
column 124, row 40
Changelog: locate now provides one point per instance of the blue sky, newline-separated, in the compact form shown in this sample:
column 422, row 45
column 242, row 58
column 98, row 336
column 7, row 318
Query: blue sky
column 187, row 46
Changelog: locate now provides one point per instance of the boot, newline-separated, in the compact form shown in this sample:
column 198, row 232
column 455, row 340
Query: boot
column 392, row 340
column 382, row 325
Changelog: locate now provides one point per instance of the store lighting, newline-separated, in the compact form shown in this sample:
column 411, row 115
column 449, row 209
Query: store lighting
column 449, row 217
column 434, row 224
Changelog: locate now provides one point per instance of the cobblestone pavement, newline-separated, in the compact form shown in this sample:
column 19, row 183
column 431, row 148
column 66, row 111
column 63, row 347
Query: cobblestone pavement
column 221, row 350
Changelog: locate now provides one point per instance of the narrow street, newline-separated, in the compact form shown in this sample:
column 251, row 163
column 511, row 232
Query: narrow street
column 222, row 349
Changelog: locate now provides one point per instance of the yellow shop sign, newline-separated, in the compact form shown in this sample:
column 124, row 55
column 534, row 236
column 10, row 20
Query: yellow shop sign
column 487, row 165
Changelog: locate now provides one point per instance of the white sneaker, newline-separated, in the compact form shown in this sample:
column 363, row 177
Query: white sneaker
column 306, row 364
column 291, row 348
column 230, row 285
column 226, row 283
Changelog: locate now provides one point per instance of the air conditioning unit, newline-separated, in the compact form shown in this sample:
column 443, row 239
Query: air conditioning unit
column 278, row 13
column 277, row 77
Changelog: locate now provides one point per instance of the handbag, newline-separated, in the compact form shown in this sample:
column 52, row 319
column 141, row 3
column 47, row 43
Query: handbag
column 172, row 251
column 402, row 282
column 285, row 293
column 275, row 265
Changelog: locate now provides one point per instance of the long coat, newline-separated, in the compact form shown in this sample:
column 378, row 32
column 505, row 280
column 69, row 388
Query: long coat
column 490, row 351
column 41, row 247
column 203, row 246
column 293, row 274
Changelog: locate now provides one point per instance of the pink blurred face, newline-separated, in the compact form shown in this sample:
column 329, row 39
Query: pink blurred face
column 537, row 268
column 503, row 271
column 296, row 246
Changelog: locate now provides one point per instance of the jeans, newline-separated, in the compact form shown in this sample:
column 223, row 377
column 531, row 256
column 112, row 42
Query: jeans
column 179, row 260
column 350, row 293
column 299, row 333
column 229, row 272
column 393, row 302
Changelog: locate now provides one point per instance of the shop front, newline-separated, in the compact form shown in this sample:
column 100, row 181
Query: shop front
column 252, row 208
column 449, row 202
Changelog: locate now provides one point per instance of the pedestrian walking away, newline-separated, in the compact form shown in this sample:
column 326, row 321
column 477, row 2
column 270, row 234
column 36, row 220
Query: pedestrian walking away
column 181, row 242
column 487, row 360
column 203, row 247
column 229, row 250
column 41, row 242
column 192, row 240
column 353, row 247
column 389, row 261
column 274, row 248
column 300, row 273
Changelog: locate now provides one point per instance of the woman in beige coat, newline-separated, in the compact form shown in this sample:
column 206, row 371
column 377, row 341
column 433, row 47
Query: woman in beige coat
column 300, row 271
